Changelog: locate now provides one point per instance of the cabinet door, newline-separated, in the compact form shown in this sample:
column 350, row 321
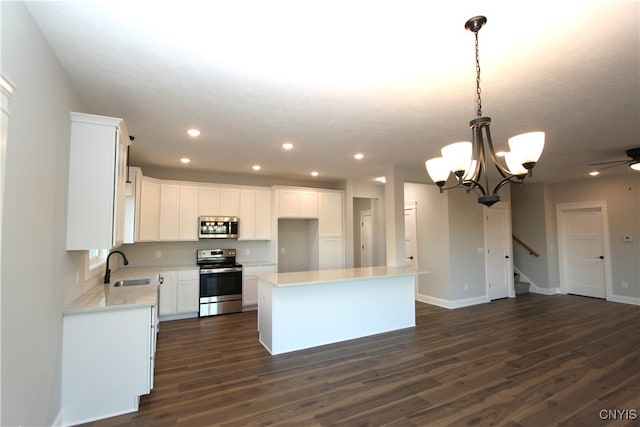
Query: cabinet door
column 94, row 211
column 188, row 299
column 330, row 209
column 308, row 204
column 148, row 212
column 247, row 218
column 288, row 204
column 330, row 253
column 229, row 202
column 250, row 283
column 121, row 187
column 188, row 296
column 188, row 213
column 263, row 215
column 169, row 211
column 168, row 292
column 208, row 201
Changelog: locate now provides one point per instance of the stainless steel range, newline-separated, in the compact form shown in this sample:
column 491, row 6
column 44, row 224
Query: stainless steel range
column 220, row 282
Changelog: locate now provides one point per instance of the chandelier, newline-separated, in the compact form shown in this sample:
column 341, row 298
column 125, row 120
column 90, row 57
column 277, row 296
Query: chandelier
column 468, row 160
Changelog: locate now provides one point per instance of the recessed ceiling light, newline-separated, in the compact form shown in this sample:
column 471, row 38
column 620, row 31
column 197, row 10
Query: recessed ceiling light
column 287, row 146
column 381, row 179
column 594, row 173
column 193, row 132
column 501, row 153
column 185, row 160
column 358, row 156
column 314, row 173
column 256, row 167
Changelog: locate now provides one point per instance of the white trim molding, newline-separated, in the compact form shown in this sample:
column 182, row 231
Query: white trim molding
column 452, row 304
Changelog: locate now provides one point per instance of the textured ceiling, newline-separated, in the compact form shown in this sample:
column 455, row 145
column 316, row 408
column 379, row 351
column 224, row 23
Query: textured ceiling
column 392, row 79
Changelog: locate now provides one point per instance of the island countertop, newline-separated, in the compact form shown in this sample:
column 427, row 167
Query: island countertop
column 300, row 278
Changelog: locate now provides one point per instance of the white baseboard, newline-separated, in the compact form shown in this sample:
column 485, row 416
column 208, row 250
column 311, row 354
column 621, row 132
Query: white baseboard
column 623, row 299
column 544, row 291
column 452, row 304
column 58, row 421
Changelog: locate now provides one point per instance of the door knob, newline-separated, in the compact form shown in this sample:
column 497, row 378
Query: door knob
column 506, row 256
column 409, row 257
column 601, row 257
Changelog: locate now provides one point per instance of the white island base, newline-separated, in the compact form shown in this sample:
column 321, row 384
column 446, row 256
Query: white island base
column 312, row 308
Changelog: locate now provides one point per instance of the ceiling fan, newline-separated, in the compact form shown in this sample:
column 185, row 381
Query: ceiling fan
column 634, row 163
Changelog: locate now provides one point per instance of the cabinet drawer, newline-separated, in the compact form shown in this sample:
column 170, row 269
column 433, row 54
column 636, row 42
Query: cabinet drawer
column 188, row 274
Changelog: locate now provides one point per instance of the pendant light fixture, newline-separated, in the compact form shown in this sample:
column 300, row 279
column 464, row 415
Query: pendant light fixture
column 468, row 160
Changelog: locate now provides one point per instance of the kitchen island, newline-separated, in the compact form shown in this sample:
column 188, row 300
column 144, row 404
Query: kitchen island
column 299, row 310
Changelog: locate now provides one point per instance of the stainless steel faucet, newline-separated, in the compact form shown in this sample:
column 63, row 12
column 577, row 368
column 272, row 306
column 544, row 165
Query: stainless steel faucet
column 107, row 273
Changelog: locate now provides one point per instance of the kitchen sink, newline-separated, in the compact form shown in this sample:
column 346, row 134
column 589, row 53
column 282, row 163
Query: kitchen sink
column 132, row 282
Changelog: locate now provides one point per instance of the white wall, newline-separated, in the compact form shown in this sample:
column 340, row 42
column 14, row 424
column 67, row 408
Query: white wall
column 34, row 223
column 622, row 194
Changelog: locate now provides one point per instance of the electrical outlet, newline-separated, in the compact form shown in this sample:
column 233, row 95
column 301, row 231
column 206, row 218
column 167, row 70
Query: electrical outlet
column 247, row 251
column 158, row 254
column 282, row 251
column 625, row 285
column 466, row 287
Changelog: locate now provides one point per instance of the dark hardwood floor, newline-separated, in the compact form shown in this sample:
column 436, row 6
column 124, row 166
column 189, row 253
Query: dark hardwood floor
column 530, row 361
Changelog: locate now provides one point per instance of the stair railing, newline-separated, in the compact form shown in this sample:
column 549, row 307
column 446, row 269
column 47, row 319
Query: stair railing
column 527, row 247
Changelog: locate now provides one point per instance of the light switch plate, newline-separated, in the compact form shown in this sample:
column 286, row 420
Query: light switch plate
column 627, row 239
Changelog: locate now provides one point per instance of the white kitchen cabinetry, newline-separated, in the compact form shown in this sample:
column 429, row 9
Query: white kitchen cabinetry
column 188, row 291
column 188, row 213
column 229, row 201
column 168, row 292
column 330, row 253
column 169, row 212
column 250, row 282
column 294, row 203
column 107, row 362
column 166, row 211
column 148, row 211
column 208, row 201
column 255, row 215
column 330, row 214
column 179, row 293
column 97, row 180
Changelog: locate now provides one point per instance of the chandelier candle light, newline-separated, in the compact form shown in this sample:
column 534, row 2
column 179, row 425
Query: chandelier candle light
column 467, row 159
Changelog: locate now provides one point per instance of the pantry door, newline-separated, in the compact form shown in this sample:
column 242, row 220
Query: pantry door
column 498, row 251
column 583, row 238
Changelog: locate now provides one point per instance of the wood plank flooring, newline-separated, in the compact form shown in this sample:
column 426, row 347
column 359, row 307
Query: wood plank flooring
column 530, row 361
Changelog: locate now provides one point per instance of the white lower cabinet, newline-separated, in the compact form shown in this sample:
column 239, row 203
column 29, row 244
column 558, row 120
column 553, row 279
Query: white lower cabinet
column 179, row 293
column 107, row 362
column 250, row 282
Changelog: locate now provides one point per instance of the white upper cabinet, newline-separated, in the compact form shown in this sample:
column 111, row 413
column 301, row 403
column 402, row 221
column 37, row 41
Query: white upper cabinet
column 188, row 213
column 294, row 203
column 147, row 210
column 255, row 214
column 97, row 180
column 229, row 202
column 330, row 214
column 169, row 212
column 208, row 201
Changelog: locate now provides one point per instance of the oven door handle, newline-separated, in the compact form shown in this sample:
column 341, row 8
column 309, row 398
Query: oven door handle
column 220, row 270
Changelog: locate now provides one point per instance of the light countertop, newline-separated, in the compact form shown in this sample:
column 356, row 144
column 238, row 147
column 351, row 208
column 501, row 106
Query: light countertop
column 106, row 297
column 299, row 278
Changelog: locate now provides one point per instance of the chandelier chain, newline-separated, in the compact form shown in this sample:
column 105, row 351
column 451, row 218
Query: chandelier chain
column 478, row 98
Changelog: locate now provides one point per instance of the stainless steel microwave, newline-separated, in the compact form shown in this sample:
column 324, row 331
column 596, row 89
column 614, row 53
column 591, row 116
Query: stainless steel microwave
column 218, row 227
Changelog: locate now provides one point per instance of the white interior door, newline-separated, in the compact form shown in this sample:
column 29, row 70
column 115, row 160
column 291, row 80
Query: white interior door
column 410, row 243
column 582, row 250
column 498, row 248
column 366, row 239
